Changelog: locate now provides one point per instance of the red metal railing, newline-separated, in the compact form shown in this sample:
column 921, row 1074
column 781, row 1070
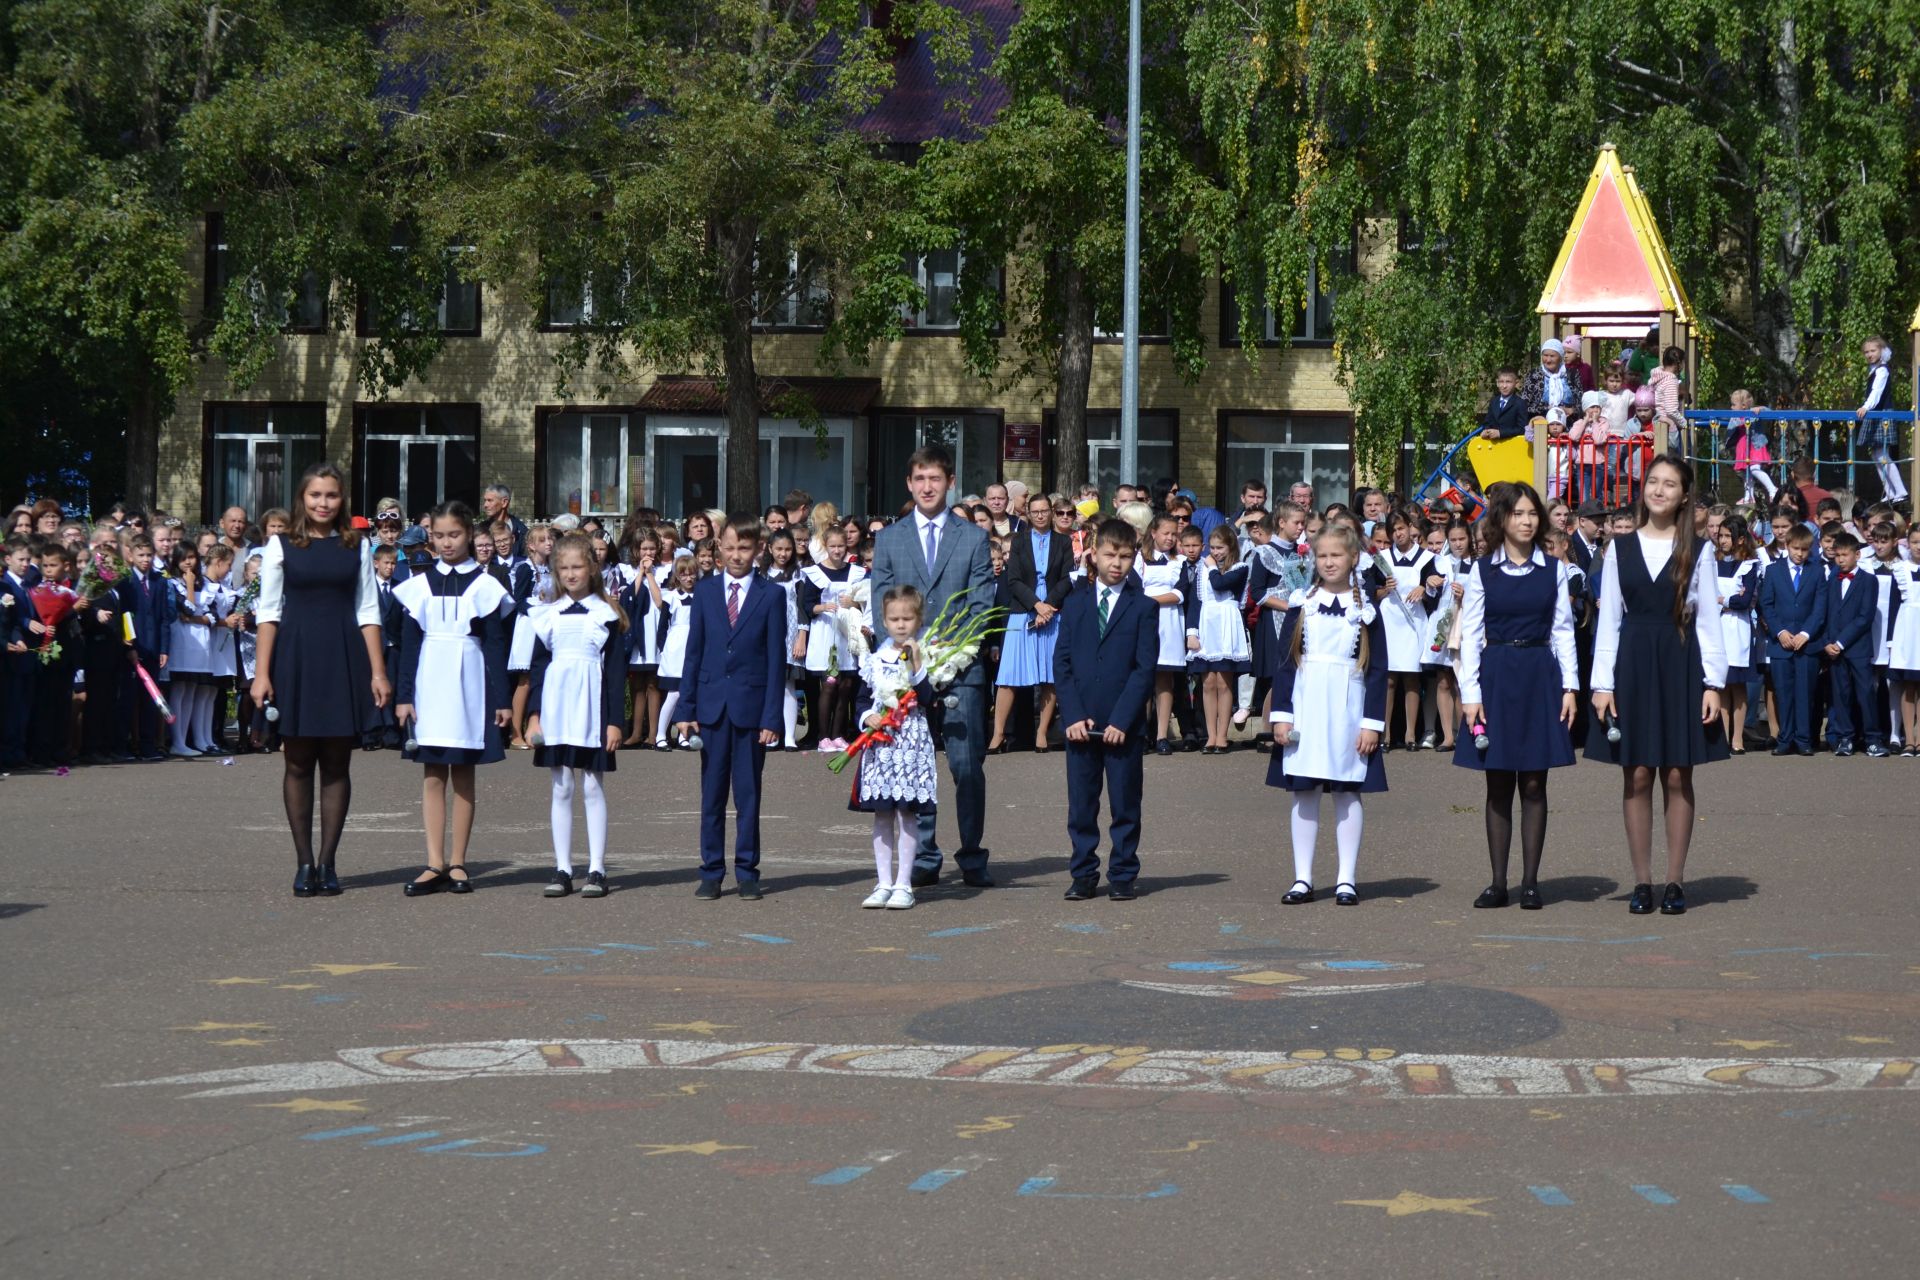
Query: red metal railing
column 1610, row 472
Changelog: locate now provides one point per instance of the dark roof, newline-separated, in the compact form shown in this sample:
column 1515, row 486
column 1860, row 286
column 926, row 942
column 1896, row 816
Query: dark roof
column 921, row 106
column 831, row 397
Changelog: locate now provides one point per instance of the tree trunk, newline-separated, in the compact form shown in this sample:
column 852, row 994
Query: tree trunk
column 1076, row 371
column 143, row 447
column 1792, row 242
column 735, row 242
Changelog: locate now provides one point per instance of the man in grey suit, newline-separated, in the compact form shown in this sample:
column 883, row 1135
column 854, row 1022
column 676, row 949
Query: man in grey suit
column 945, row 557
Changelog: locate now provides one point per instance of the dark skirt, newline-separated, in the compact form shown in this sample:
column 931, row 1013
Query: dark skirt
column 322, row 680
column 668, row 684
column 1658, row 685
column 569, row 756
column 1521, row 693
column 1376, row 779
column 1903, row 674
column 1220, row 666
column 493, row 753
column 1738, row 675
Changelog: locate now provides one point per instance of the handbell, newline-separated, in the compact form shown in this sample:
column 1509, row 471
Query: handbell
column 692, row 742
column 272, row 713
column 536, row 739
column 1480, row 739
column 411, row 744
column 1613, row 729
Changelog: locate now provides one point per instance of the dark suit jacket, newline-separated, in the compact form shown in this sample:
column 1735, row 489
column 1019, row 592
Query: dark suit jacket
column 1852, row 622
column 1793, row 611
column 1023, row 572
column 1107, row 678
column 962, row 569
column 16, row 616
column 1509, row 419
column 152, row 610
column 736, row 671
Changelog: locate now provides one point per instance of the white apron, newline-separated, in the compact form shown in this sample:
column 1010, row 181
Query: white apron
column 450, row 684
column 1329, row 695
column 1405, row 621
column 571, row 693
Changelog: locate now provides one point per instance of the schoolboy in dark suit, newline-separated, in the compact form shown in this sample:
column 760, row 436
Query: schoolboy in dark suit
column 16, row 666
column 1793, row 600
column 1506, row 414
column 1849, row 644
column 1103, row 666
column 730, row 692
column 145, row 596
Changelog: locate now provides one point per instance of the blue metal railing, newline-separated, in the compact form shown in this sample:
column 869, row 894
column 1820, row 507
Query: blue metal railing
column 1840, row 445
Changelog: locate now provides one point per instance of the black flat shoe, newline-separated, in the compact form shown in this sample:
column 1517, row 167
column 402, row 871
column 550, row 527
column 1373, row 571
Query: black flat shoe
column 433, row 882
column 329, row 881
column 747, row 890
column 976, row 879
column 463, row 885
column 1673, row 902
column 1493, row 895
column 1120, row 891
column 1301, row 892
column 924, row 879
column 559, row 885
column 1163, row 748
column 1738, row 751
column 304, row 881
column 1641, row 903
column 1530, row 899
column 708, row 890
column 1346, row 895
column 1080, row 890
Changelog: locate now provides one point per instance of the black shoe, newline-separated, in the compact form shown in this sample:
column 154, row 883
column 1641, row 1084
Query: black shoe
column 462, row 885
column 976, row 879
column 1842, row 749
column 1163, row 748
column 747, row 890
column 924, row 879
column 329, row 880
column 1877, row 752
column 1782, row 749
column 1301, row 892
column 433, row 883
column 1805, row 751
column 1494, row 895
column 1120, row 891
column 596, row 885
column 303, row 881
column 1081, row 890
column 1673, row 902
column 1346, row 895
column 1530, row 899
column 1641, row 903
column 559, row 885
column 708, row 890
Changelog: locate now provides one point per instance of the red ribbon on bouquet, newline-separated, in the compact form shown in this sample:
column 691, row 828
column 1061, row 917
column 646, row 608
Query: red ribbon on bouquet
column 879, row 735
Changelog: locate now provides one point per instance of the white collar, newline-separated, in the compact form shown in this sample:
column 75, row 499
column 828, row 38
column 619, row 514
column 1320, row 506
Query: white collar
column 737, row 582
column 466, row 566
column 924, row 520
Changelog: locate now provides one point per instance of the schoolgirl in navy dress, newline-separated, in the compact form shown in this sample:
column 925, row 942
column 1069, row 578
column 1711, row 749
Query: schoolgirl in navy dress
column 318, row 661
column 1659, row 664
column 1739, row 568
column 1329, row 711
column 1215, row 620
column 780, row 565
column 453, row 701
column 1517, row 610
column 896, row 780
column 1163, row 578
column 575, row 705
column 643, row 634
column 824, row 591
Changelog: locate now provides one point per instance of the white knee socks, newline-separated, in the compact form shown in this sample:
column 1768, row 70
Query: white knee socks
column 560, row 811
column 593, row 794
column 666, row 718
column 1348, row 820
column 789, row 711
column 896, row 841
column 202, row 738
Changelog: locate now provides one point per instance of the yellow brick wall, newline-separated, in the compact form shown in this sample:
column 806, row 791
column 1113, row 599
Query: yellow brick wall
column 508, row 371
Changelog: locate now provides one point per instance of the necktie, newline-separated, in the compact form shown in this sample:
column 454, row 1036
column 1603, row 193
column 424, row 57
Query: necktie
column 733, row 603
column 933, row 543
column 1847, row 576
column 1796, row 577
column 1105, row 596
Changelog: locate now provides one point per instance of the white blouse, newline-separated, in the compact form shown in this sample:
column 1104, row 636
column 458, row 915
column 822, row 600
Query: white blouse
column 1703, row 596
column 1473, row 622
column 273, row 585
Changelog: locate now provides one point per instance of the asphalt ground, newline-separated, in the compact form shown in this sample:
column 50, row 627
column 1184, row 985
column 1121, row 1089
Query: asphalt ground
column 207, row 1077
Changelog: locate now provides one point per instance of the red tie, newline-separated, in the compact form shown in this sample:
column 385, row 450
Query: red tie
column 1847, row 576
column 733, row 603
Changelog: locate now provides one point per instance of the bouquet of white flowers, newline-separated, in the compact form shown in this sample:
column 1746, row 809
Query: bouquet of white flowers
column 948, row 646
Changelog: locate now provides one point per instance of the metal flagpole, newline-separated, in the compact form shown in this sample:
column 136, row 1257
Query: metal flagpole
column 1130, row 311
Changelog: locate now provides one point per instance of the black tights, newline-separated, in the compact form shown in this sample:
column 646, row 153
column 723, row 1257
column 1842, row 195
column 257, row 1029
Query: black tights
column 332, row 756
column 1533, row 822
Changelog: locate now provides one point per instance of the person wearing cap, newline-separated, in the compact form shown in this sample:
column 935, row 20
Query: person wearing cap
column 1589, row 523
column 415, row 555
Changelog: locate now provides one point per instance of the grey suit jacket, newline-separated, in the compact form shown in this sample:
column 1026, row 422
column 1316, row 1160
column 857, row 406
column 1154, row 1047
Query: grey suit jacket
column 961, row 567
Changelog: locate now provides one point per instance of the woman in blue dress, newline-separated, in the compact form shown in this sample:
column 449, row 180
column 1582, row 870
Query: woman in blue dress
column 1038, row 566
column 1517, row 604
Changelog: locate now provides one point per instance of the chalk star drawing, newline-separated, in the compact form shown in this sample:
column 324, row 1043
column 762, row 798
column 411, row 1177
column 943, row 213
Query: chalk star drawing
column 881, row 950
column 1867, row 1039
column 241, row 1042
column 238, row 982
column 300, row 1106
column 1751, row 1045
column 707, row 1148
column 298, row 986
column 1411, row 1202
column 1266, row 978
column 992, row 1124
column 1541, row 1113
column 1193, row 1145
column 344, row 970
column 226, row 1026
column 697, row 1028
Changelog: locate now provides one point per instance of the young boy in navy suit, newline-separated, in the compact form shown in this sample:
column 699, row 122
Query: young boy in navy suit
column 1506, row 414
column 146, row 596
column 1793, row 600
column 730, row 693
column 23, row 634
column 1103, row 668
column 1852, row 638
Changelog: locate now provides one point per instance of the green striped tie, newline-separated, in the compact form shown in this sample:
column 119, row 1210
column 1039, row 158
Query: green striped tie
column 1104, row 593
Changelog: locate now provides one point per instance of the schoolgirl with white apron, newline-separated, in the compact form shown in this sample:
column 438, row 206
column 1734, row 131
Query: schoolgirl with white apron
column 577, row 695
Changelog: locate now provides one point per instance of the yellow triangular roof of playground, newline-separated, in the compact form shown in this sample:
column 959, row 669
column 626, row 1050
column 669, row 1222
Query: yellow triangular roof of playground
column 1613, row 260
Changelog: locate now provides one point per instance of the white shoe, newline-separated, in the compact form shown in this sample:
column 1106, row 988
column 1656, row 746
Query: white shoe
column 901, row 899
column 1240, row 718
column 879, row 897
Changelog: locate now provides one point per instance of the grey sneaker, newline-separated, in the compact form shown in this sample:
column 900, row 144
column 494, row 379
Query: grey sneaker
column 596, row 885
column 560, row 886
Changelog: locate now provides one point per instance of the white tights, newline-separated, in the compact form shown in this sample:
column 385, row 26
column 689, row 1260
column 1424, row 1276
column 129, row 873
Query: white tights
column 789, row 711
column 192, row 716
column 896, row 840
column 666, row 718
column 1347, row 822
column 594, row 794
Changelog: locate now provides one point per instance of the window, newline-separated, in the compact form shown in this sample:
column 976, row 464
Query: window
column 422, row 454
column 1159, row 449
column 686, row 455
column 1312, row 324
column 938, row 272
column 1284, row 449
column 256, row 451
column 457, row 310
column 570, row 301
column 304, row 312
column 584, row 464
column 972, row 438
column 794, row 294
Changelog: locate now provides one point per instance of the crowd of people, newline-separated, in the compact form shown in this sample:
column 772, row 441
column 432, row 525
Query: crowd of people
column 456, row 636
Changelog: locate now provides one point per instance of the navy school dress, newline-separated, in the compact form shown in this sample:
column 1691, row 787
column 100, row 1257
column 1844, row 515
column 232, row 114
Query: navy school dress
column 1659, row 674
column 322, row 678
column 1520, row 675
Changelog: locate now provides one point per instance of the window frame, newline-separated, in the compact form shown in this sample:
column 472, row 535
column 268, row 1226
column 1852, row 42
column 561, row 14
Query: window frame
column 819, row 278
column 911, row 322
column 363, row 411
column 1230, row 311
column 543, row 416
column 1227, row 474
column 363, row 326
column 210, row 439
column 214, row 270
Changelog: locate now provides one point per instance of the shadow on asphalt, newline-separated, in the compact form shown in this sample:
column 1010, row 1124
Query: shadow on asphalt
column 1707, row 891
column 8, row 910
column 1400, row 887
column 1578, row 888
